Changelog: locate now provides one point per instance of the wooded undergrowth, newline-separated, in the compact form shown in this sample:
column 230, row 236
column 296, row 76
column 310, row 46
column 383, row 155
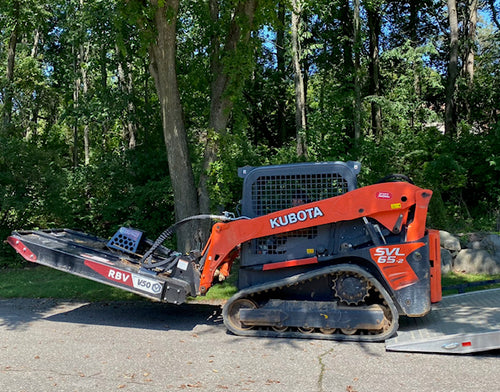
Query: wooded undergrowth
column 93, row 118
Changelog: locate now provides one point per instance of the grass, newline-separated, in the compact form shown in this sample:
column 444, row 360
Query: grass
column 459, row 279
column 43, row 282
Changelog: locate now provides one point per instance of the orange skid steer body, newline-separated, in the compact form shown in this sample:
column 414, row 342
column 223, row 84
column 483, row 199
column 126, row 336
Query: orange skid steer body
column 317, row 256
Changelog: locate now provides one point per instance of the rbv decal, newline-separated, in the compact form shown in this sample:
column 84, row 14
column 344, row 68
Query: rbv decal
column 127, row 278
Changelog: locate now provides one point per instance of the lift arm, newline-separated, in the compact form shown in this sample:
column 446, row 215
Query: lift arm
column 389, row 204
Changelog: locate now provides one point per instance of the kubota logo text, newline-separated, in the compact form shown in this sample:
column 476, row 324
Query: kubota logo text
column 294, row 217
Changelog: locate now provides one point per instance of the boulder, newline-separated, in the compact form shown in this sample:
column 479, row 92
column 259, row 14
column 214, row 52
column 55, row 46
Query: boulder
column 476, row 237
column 491, row 243
column 449, row 242
column 446, row 261
column 477, row 261
column 475, row 245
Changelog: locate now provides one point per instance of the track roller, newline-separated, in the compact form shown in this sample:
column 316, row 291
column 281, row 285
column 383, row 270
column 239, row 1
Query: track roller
column 233, row 313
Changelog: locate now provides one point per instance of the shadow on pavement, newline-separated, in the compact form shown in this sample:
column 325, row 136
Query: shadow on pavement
column 19, row 313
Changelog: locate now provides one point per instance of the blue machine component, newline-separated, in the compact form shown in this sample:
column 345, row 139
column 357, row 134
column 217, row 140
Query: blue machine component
column 126, row 240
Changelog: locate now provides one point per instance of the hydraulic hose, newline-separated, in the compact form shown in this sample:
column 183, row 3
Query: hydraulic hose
column 169, row 232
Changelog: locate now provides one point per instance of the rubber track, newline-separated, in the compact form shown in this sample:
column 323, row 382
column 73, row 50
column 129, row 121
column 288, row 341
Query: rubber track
column 298, row 279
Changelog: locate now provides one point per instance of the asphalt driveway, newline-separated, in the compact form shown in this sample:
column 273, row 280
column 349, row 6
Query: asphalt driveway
column 49, row 345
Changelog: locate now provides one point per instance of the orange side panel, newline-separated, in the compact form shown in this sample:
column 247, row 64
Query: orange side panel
column 391, row 260
column 435, row 260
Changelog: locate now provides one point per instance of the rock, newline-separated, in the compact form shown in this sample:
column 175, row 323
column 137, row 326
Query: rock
column 449, row 242
column 446, row 261
column 475, row 245
column 491, row 243
column 473, row 237
column 474, row 261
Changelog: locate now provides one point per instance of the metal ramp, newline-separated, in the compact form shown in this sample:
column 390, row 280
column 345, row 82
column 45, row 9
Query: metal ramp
column 459, row 324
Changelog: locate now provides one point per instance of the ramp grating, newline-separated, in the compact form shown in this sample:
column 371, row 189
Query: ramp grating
column 462, row 323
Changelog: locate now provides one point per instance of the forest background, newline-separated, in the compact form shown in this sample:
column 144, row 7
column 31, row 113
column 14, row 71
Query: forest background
column 140, row 112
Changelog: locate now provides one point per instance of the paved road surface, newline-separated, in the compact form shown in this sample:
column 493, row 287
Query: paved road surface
column 48, row 345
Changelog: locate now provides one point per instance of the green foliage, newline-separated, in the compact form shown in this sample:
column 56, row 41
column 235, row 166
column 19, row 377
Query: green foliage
column 224, row 184
column 133, row 190
column 45, row 181
column 461, row 172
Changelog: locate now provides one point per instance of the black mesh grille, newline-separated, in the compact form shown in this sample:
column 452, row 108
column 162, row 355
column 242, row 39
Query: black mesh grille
column 274, row 193
column 277, row 244
column 269, row 189
column 278, row 192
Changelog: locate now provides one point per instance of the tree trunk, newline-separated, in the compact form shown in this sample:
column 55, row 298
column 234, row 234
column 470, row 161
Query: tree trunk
column 349, row 70
column 414, row 8
column 131, row 124
column 300, row 95
column 220, row 100
column 76, row 105
column 103, row 65
column 357, row 73
column 468, row 66
column 494, row 13
column 84, row 57
column 11, row 57
column 163, row 69
column 280, row 65
column 471, row 40
column 36, row 40
column 374, row 25
column 449, row 114
column 126, row 85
